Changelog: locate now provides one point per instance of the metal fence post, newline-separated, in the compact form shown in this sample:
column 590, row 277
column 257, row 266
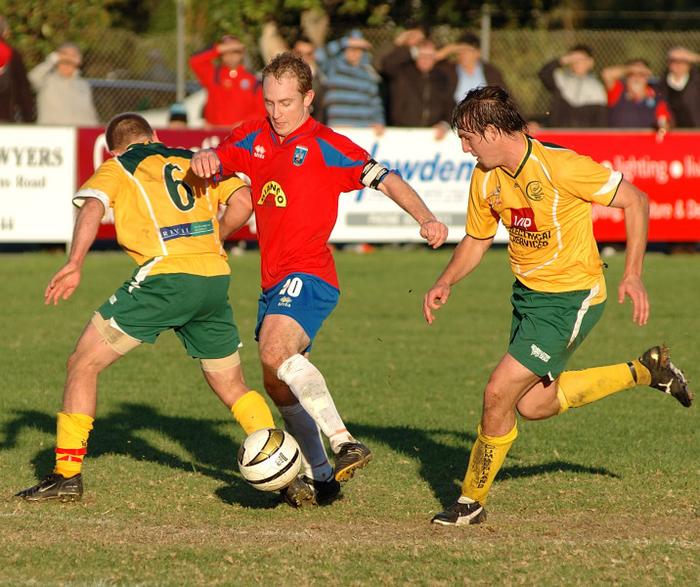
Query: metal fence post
column 485, row 31
column 180, row 41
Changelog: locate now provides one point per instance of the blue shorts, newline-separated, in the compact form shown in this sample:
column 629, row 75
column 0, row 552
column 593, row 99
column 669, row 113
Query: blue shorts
column 306, row 298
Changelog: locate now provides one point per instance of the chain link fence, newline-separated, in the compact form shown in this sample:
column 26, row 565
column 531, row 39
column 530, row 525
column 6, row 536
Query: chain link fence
column 132, row 72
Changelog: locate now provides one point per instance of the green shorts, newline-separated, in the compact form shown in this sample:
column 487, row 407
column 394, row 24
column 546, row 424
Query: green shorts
column 195, row 307
column 548, row 327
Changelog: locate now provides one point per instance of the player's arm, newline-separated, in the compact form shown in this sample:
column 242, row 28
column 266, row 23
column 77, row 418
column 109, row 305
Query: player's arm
column 239, row 207
column 66, row 280
column 635, row 204
column 466, row 257
column 392, row 186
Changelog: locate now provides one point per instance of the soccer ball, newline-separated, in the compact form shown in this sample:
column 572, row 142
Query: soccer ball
column 269, row 459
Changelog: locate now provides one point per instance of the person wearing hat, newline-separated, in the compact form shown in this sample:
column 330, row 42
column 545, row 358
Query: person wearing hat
column 352, row 85
column 233, row 93
column 681, row 87
column 63, row 96
column 177, row 116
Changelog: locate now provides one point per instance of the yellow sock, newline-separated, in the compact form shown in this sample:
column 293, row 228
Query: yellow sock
column 487, row 456
column 578, row 388
column 72, row 431
column 252, row 413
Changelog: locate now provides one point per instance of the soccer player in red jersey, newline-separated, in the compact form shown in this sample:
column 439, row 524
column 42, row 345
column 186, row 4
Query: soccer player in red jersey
column 297, row 168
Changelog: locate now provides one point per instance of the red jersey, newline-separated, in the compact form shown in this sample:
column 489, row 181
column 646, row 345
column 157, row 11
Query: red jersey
column 295, row 187
column 233, row 95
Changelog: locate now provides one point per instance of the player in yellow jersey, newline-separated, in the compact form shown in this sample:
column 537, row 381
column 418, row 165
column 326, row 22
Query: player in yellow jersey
column 542, row 194
column 166, row 220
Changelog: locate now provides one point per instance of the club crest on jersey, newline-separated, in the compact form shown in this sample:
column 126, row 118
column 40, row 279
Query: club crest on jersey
column 523, row 218
column 259, row 152
column 272, row 194
column 534, row 191
column 299, row 155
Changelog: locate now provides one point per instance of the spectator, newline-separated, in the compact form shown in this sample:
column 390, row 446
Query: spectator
column 16, row 98
column 419, row 93
column 352, row 85
column 177, row 116
column 63, row 96
column 634, row 102
column 305, row 48
column 467, row 71
column 681, row 87
column 234, row 93
column 578, row 96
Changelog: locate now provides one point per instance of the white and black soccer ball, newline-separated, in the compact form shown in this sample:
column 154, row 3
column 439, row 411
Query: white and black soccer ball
column 269, row 459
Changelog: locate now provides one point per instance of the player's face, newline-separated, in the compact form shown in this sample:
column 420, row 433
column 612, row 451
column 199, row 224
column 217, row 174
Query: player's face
column 484, row 148
column 286, row 106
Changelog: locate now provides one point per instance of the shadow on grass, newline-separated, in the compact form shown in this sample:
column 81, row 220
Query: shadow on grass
column 213, row 453
column 443, row 466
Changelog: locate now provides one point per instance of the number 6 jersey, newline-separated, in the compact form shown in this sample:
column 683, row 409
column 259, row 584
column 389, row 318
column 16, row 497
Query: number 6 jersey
column 164, row 215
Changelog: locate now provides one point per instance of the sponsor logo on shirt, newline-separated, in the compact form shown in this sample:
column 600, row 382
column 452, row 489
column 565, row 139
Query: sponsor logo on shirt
column 186, row 230
column 537, row 352
column 299, row 155
column 259, row 152
column 277, row 196
column 523, row 218
column 534, row 191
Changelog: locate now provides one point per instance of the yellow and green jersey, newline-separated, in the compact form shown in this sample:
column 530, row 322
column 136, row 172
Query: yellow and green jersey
column 164, row 215
column 546, row 207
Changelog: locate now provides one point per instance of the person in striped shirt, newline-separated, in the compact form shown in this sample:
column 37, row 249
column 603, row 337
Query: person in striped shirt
column 352, row 85
column 542, row 194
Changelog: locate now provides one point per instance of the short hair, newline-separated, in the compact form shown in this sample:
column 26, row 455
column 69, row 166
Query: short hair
column 488, row 106
column 582, row 49
column 125, row 129
column 289, row 63
column 470, row 39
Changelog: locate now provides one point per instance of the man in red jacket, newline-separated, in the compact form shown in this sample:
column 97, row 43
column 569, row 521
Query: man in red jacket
column 234, row 93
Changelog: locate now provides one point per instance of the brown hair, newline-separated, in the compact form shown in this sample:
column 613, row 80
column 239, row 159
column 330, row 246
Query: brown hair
column 488, row 106
column 289, row 63
column 125, row 129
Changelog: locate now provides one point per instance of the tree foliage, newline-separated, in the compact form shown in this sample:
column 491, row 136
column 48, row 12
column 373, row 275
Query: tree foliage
column 39, row 26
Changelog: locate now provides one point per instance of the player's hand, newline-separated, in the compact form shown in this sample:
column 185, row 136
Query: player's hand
column 205, row 163
column 63, row 284
column 434, row 300
column 633, row 287
column 434, row 231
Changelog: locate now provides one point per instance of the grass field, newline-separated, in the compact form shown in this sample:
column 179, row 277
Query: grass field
column 606, row 494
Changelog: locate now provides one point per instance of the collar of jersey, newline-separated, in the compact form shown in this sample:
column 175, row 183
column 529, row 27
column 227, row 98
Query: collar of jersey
column 304, row 130
column 146, row 144
column 528, row 151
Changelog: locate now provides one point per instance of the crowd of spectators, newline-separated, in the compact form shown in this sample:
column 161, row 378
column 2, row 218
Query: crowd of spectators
column 415, row 83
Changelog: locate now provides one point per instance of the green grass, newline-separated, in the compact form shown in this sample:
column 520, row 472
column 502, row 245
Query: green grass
column 607, row 494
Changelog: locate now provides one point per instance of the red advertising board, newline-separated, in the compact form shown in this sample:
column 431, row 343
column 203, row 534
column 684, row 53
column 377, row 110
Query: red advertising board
column 668, row 171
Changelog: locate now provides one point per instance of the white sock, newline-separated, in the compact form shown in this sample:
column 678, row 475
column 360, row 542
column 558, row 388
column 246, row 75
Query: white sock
column 313, row 454
column 465, row 499
column 307, row 383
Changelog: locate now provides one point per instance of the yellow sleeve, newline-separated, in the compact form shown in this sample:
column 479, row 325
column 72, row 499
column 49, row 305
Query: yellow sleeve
column 589, row 180
column 482, row 221
column 105, row 185
column 226, row 188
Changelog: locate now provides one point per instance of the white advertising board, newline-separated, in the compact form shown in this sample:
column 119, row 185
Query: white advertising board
column 37, row 182
column 438, row 170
